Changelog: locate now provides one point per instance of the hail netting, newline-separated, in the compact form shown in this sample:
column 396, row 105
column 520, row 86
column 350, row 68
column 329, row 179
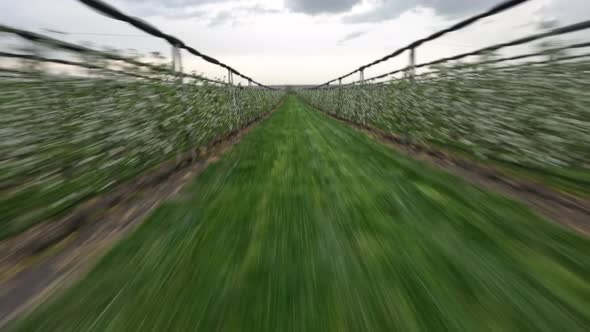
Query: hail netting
column 74, row 122
column 533, row 113
column 458, row 26
column 116, row 14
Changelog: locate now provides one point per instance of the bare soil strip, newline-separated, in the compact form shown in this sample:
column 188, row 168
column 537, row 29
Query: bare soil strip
column 50, row 256
column 563, row 208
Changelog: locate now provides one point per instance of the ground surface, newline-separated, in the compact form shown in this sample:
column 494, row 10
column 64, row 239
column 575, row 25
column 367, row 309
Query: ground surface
column 28, row 275
column 308, row 225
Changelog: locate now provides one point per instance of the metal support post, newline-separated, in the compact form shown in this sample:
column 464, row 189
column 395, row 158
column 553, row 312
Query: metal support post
column 173, row 60
column 412, row 70
column 176, row 63
column 178, row 54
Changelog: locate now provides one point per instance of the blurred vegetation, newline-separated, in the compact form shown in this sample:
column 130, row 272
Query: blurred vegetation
column 531, row 117
column 309, row 225
column 64, row 138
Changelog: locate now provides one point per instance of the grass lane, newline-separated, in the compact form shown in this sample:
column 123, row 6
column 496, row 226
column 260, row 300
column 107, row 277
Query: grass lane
column 308, row 225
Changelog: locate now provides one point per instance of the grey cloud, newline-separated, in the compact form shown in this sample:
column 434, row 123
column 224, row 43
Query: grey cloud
column 390, row 9
column 566, row 12
column 351, row 36
column 221, row 18
column 257, row 10
column 236, row 15
column 169, row 8
column 217, row 18
column 173, row 3
column 196, row 14
column 314, row 7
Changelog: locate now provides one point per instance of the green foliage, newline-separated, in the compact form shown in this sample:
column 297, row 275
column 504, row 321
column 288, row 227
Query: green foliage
column 308, row 225
column 530, row 115
column 62, row 141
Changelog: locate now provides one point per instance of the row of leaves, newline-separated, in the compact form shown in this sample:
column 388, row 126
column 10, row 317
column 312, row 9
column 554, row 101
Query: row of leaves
column 64, row 140
column 530, row 116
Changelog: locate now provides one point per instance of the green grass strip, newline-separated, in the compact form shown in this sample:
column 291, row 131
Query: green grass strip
column 308, row 225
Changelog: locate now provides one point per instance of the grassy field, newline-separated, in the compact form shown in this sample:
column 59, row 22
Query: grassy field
column 308, row 225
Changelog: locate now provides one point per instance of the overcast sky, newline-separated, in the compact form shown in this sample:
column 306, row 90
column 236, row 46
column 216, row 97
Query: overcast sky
column 293, row 41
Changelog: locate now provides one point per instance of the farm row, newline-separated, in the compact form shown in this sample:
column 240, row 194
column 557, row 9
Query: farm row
column 530, row 116
column 64, row 140
column 309, row 225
